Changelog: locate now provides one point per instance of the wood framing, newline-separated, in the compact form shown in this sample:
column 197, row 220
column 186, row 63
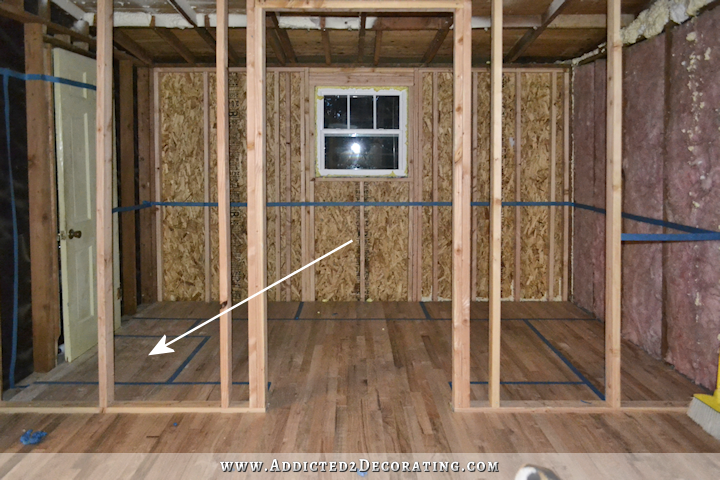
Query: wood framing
column 462, row 159
column 551, row 215
column 495, row 203
column 104, row 220
column 223, row 172
column 127, row 186
column 256, row 217
column 206, row 185
column 555, row 9
column 146, row 186
column 517, row 276
column 435, row 198
column 613, row 218
column 42, row 194
column 157, row 185
column 566, row 187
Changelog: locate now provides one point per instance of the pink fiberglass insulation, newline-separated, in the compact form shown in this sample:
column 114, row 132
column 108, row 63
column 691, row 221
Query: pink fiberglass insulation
column 643, row 155
column 692, row 179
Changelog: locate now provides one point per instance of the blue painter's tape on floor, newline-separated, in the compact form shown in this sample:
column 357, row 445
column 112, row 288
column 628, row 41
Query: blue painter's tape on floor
column 425, row 311
column 566, row 361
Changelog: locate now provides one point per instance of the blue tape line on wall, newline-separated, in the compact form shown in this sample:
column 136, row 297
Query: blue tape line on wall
column 6, row 72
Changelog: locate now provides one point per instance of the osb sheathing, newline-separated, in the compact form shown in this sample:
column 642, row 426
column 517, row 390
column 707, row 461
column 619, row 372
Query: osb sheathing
column 343, row 283
column 238, row 184
column 182, row 163
column 272, row 190
column 386, row 247
column 212, row 169
column 481, row 186
column 337, row 278
column 535, row 185
column 444, row 184
column 426, row 136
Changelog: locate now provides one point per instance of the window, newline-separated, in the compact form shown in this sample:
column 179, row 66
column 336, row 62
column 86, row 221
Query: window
column 362, row 132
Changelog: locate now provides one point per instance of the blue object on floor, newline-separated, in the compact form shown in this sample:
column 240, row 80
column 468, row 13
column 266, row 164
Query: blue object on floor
column 30, row 438
column 361, row 473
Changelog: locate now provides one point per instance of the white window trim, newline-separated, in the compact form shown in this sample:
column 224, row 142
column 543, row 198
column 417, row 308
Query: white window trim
column 321, row 171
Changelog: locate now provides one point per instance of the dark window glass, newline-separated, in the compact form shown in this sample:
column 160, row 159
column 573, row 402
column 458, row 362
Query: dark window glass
column 335, row 111
column 352, row 153
column 388, row 112
column 361, row 112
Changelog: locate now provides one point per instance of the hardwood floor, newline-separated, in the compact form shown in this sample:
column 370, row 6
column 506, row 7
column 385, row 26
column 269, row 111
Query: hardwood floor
column 371, row 377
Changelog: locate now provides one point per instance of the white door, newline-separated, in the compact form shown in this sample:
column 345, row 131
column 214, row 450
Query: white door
column 75, row 152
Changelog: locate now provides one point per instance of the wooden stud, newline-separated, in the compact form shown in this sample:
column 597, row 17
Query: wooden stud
column 278, row 212
column 517, row 276
column 104, row 221
column 42, row 193
column 462, row 146
column 418, row 184
column 495, row 202
column 148, row 276
column 223, row 173
column 435, row 175
column 553, row 159
column 288, row 184
column 566, row 186
column 310, row 166
column 256, row 237
column 613, row 219
column 362, row 243
column 127, row 186
column 307, row 192
column 206, row 185
column 157, row 194
column 474, row 213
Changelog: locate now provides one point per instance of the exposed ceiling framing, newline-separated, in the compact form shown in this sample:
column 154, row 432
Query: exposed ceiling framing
column 166, row 32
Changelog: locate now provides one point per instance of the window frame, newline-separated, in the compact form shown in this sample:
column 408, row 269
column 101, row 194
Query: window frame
column 322, row 132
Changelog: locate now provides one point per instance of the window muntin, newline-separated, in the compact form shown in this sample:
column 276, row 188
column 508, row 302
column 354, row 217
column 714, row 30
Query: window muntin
column 361, row 131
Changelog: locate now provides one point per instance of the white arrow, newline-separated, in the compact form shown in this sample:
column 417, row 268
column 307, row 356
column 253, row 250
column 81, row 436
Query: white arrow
column 162, row 347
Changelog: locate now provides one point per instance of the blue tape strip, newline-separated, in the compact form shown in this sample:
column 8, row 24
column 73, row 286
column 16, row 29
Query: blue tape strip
column 425, row 311
column 188, row 360
column 16, row 256
column 299, row 311
column 566, row 361
column 670, row 237
column 526, row 383
column 7, row 73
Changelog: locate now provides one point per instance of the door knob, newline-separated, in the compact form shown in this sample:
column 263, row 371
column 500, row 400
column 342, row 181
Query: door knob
column 74, row 234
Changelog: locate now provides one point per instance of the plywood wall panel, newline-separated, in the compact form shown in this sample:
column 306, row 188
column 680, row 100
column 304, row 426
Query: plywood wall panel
column 535, row 186
column 481, row 192
column 444, row 186
column 387, row 249
column 182, row 163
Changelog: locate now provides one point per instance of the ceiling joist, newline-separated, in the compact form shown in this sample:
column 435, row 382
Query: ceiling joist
column 437, row 41
column 361, row 38
column 167, row 35
column 272, row 22
column 326, row 42
column 555, row 9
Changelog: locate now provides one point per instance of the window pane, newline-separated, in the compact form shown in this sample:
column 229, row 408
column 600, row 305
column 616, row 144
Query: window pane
column 361, row 112
column 388, row 112
column 335, row 111
column 352, row 153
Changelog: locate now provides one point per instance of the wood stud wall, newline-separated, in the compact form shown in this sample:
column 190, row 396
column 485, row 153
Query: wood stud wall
column 256, row 201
